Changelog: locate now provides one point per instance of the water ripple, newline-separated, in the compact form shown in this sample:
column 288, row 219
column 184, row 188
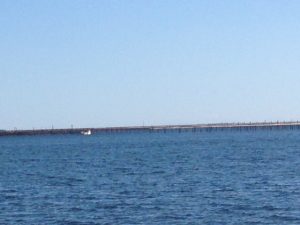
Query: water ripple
column 151, row 178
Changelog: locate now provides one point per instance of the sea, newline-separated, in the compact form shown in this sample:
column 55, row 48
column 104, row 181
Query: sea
column 218, row 177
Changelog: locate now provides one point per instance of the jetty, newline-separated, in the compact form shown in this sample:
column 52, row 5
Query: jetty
column 250, row 126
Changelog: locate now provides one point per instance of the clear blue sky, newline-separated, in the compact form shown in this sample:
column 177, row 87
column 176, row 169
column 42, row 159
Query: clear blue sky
column 111, row 63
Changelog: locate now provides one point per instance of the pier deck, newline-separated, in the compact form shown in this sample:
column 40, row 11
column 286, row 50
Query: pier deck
column 164, row 128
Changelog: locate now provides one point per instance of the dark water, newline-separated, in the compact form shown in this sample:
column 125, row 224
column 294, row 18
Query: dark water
column 151, row 178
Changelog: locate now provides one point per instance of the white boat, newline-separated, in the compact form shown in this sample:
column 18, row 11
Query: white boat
column 86, row 132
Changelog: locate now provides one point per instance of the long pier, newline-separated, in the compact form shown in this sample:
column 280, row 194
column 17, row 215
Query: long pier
column 163, row 128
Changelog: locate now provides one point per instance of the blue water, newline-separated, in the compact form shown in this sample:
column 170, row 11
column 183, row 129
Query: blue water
column 151, row 178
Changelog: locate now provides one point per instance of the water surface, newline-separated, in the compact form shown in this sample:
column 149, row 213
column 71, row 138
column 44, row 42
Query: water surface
column 151, row 178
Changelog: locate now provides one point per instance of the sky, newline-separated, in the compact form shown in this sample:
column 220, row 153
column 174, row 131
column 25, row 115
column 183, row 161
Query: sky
column 138, row 62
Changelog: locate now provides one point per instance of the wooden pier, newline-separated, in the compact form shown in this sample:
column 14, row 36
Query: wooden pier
column 164, row 128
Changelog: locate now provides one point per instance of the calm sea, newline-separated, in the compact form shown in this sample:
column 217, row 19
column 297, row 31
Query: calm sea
column 225, row 177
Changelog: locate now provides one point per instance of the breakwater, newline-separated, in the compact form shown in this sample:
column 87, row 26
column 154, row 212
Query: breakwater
column 164, row 128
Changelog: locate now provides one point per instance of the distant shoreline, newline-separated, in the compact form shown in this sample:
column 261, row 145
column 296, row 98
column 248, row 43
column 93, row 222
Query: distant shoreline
column 164, row 128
